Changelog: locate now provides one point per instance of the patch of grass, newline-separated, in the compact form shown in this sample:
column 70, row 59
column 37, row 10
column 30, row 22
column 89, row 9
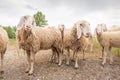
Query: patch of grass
column 96, row 44
column 116, row 51
column 12, row 44
column 12, row 41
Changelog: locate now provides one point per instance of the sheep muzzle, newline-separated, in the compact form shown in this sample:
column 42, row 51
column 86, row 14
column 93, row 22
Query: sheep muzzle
column 28, row 28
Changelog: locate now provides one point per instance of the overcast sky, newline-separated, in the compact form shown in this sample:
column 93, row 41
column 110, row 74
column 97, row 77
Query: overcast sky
column 62, row 11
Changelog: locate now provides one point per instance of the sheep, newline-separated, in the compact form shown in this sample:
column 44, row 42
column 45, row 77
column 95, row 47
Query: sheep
column 85, row 43
column 107, row 40
column 103, row 28
column 3, row 45
column 72, row 38
column 32, row 39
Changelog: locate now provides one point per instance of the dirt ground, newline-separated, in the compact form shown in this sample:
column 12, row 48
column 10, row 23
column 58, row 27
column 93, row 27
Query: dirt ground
column 90, row 69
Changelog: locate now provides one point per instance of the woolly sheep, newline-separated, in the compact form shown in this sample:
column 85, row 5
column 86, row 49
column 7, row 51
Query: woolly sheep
column 32, row 39
column 103, row 28
column 85, row 44
column 72, row 39
column 107, row 40
column 3, row 45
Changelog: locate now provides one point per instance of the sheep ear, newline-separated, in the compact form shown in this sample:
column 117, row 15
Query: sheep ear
column 33, row 22
column 25, row 17
column 21, row 22
column 79, row 32
column 82, row 25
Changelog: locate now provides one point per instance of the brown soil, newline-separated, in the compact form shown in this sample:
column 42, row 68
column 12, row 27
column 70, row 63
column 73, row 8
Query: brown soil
column 90, row 69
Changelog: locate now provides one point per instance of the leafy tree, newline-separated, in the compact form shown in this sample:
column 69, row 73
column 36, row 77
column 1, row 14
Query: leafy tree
column 40, row 19
column 11, row 31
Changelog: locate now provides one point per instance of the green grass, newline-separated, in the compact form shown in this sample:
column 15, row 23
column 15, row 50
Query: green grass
column 12, row 41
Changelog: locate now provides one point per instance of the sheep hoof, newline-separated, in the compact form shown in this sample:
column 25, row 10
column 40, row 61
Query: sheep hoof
column 100, row 57
column 111, row 63
column 103, row 65
column 67, row 64
column 84, row 59
column 73, row 60
column 2, row 72
column 30, row 73
column 26, row 71
column 56, row 62
column 59, row 65
column 76, row 67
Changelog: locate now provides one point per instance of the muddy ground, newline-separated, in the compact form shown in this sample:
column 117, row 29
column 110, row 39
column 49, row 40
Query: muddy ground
column 90, row 69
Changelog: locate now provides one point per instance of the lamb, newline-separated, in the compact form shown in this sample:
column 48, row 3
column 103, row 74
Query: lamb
column 3, row 45
column 107, row 40
column 73, row 37
column 32, row 39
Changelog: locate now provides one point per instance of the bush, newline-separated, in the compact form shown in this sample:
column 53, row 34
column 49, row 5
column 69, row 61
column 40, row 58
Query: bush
column 11, row 31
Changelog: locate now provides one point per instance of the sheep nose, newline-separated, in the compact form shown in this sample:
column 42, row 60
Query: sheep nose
column 28, row 28
column 87, row 34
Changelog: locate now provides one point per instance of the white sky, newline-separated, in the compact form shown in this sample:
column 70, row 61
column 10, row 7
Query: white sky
column 62, row 11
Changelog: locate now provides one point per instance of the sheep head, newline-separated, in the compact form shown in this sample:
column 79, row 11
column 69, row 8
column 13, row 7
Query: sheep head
column 22, row 22
column 26, row 22
column 26, row 27
column 100, row 29
column 83, row 28
column 29, row 24
column 61, row 27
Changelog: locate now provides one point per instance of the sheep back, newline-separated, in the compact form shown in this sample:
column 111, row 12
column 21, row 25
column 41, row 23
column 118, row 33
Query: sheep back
column 110, row 39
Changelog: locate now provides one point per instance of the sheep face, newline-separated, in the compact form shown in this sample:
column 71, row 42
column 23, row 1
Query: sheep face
column 22, row 22
column 29, row 24
column 82, row 28
column 61, row 27
column 100, row 28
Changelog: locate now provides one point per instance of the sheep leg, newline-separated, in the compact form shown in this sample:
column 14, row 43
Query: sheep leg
column 73, row 55
column 2, row 57
column 104, row 55
column 28, row 60
column 53, row 55
column 59, row 52
column 76, row 60
column 60, row 59
column 83, row 54
column 91, row 47
column 32, row 60
column 111, row 57
column 57, row 57
column 68, row 57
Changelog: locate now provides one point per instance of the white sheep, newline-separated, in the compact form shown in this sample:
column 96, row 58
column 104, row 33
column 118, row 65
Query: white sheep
column 103, row 28
column 85, row 44
column 3, row 45
column 32, row 39
column 73, row 37
column 107, row 40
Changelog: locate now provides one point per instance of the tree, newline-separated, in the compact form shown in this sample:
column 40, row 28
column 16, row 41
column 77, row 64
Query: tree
column 10, row 30
column 40, row 19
